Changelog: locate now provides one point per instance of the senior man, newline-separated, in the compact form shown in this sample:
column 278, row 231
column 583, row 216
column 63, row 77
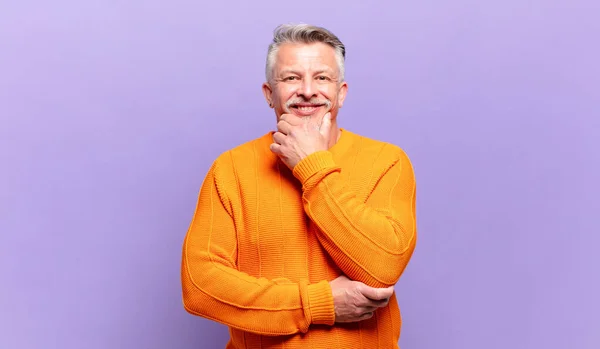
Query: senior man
column 300, row 235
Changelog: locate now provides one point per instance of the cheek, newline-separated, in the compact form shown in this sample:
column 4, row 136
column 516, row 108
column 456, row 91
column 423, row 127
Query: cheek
column 285, row 93
column 329, row 92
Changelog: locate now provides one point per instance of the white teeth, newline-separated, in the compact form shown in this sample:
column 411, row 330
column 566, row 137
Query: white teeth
column 306, row 108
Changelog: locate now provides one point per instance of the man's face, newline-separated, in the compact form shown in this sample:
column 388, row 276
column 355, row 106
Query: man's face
column 305, row 81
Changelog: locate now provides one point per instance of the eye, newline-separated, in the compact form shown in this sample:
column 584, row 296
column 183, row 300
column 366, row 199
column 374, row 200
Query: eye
column 290, row 78
column 322, row 78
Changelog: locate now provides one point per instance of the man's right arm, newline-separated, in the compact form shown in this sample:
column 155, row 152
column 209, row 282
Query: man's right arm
column 213, row 287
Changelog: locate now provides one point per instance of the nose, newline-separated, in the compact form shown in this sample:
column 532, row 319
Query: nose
column 307, row 89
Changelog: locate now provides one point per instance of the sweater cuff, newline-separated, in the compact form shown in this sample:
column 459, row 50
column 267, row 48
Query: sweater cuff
column 320, row 301
column 312, row 164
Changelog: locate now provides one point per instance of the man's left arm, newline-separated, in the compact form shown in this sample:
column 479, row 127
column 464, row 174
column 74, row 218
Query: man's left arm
column 371, row 241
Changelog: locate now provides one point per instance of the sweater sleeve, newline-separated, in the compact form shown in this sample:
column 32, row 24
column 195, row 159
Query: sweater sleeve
column 213, row 288
column 370, row 241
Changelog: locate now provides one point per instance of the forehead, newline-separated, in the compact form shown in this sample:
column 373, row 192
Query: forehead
column 305, row 56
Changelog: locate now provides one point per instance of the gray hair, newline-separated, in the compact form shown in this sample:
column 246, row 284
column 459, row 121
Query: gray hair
column 306, row 34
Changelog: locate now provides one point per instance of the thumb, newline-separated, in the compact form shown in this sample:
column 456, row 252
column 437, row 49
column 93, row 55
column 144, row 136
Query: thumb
column 325, row 127
column 377, row 293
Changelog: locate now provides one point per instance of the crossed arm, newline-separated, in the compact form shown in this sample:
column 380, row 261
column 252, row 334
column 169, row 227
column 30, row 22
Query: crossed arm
column 371, row 242
column 214, row 288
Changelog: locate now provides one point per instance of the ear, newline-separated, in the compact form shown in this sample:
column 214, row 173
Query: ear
column 342, row 94
column 268, row 92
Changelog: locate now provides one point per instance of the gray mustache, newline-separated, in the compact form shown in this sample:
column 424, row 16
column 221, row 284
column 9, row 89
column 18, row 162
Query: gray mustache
column 324, row 102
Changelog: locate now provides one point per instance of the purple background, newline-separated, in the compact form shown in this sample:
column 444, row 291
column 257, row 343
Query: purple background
column 112, row 111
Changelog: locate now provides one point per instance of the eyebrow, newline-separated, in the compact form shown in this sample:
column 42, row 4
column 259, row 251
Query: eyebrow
column 292, row 71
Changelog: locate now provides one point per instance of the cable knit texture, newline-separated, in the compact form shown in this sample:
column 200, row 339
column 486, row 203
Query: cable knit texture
column 265, row 241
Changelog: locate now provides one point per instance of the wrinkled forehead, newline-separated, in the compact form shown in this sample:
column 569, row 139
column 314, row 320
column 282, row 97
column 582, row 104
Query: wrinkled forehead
column 305, row 58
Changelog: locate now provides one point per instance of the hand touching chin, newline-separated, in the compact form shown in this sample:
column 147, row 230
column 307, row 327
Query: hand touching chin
column 297, row 137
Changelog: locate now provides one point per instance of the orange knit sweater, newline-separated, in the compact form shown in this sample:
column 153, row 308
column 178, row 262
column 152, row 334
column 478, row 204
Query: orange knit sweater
column 264, row 242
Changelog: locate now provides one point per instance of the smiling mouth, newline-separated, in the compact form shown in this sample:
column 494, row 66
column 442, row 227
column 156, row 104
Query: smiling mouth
column 305, row 109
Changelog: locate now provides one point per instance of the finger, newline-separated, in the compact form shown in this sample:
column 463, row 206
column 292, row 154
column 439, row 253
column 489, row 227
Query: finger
column 284, row 127
column 275, row 148
column 325, row 126
column 368, row 309
column 278, row 137
column 366, row 316
column 384, row 303
column 291, row 119
column 370, row 303
column 376, row 293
